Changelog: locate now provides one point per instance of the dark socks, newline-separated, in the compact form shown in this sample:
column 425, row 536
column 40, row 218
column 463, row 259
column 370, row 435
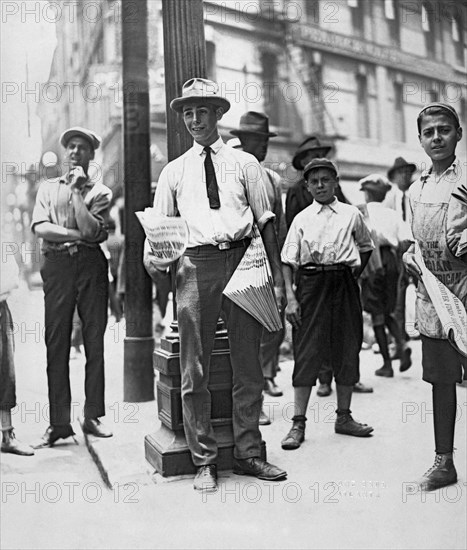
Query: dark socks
column 381, row 338
column 444, row 416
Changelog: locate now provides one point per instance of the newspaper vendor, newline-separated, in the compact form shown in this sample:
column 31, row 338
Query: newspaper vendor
column 218, row 190
column 438, row 203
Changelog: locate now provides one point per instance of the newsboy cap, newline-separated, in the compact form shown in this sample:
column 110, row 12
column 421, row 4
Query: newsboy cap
column 443, row 106
column 320, row 163
column 255, row 124
column 200, row 90
column 88, row 135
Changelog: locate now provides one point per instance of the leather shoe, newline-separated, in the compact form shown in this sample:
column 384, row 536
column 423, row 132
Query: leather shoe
column 324, row 390
column 386, row 372
column 13, row 446
column 53, row 434
column 264, row 419
column 258, row 468
column 93, row 426
column 206, row 479
column 406, row 360
column 296, row 434
column 441, row 474
column 346, row 425
column 361, row 388
column 271, row 388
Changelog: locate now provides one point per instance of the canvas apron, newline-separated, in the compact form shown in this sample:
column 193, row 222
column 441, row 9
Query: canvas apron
column 429, row 229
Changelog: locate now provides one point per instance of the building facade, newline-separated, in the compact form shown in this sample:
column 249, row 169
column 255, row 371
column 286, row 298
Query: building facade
column 354, row 72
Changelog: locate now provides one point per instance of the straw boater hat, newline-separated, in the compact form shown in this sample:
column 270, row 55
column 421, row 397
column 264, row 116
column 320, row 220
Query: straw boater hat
column 199, row 90
column 310, row 144
column 255, row 124
column 84, row 133
column 401, row 163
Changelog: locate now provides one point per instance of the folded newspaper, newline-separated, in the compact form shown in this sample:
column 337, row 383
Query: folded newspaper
column 167, row 236
column 450, row 309
column 252, row 288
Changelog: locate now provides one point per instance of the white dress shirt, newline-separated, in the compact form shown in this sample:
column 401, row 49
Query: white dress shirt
column 327, row 234
column 388, row 226
column 243, row 199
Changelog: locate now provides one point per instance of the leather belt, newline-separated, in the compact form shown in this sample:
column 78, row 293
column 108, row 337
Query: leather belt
column 225, row 245
column 309, row 269
column 69, row 250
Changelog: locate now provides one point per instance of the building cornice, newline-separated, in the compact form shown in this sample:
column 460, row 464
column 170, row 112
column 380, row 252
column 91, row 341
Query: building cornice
column 370, row 52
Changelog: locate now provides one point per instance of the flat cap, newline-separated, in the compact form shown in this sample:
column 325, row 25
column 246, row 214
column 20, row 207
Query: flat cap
column 90, row 136
column 376, row 183
column 320, row 163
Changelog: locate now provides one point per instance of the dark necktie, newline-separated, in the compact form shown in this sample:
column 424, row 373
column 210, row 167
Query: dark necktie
column 211, row 181
column 404, row 213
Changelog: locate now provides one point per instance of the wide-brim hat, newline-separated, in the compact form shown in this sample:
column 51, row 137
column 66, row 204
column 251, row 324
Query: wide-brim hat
column 311, row 143
column 401, row 163
column 255, row 124
column 84, row 133
column 199, row 90
column 235, row 143
column 375, row 182
column 320, row 163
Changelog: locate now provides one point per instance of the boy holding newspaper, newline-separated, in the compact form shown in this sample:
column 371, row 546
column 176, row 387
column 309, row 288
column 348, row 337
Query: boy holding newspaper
column 438, row 201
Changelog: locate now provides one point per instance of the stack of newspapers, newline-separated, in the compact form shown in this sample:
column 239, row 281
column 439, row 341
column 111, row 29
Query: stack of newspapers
column 167, row 236
column 252, row 288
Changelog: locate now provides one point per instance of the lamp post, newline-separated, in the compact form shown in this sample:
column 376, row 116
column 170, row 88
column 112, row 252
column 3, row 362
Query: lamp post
column 138, row 373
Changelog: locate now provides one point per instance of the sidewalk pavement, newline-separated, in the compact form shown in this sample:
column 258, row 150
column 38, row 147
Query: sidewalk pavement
column 341, row 492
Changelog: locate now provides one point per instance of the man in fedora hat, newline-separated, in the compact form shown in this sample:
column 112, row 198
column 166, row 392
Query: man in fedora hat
column 401, row 174
column 70, row 215
column 298, row 198
column 254, row 135
column 220, row 193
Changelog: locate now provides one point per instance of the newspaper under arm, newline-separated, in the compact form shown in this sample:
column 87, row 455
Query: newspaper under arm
column 449, row 308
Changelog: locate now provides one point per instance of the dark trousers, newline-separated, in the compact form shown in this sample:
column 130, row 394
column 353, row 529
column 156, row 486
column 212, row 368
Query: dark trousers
column 79, row 280
column 331, row 329
column 201, row 277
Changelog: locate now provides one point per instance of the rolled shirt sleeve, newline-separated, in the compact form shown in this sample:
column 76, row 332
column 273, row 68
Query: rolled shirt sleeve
column 256, row 193
column 291, row 252
column 362, row 234
column 41, row 212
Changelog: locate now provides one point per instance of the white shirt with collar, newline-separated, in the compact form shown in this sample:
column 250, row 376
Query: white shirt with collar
column 450, row 189
column 243, row 200
column 327, row 234
column 389, row 228
column 429, row 190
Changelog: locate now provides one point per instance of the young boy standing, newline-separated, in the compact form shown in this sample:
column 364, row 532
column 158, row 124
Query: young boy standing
column 438, row 202
column 328, row 246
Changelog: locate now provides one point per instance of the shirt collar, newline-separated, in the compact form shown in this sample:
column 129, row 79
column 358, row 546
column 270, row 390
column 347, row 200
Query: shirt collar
column 318, row 207
column 215, row 147
column 455, row 167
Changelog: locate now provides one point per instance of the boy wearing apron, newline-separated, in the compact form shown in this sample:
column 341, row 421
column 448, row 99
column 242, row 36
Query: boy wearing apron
column 438, row 202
